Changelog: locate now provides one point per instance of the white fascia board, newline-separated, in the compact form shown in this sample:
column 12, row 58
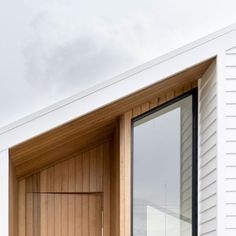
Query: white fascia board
column 114, row 89
column 4, row 196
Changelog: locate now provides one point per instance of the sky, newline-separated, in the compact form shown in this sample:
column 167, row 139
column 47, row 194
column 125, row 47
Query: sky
column 51, row 50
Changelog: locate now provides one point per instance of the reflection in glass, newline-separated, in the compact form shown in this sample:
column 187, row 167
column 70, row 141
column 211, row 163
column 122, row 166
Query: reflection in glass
column 162, row 172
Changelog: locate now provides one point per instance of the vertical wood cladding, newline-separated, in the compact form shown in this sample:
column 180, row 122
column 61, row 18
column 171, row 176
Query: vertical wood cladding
column 55, row 192
column 49, row 214
column 83, row 173
column 68, row 198
column 125, row 144
column 163, row 97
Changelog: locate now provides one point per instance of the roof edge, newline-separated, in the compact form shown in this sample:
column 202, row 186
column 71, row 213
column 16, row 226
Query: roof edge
column 118, row 78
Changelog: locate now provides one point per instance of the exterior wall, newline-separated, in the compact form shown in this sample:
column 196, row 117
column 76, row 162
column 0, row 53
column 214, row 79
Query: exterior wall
column 207, row 87
column 158, row 100
column 228, row 140
column 4, row 183
column 186, row 167
column 207, row 201
column 50, row 200
column 164, row 97
column 207, row 160
column 226, row 137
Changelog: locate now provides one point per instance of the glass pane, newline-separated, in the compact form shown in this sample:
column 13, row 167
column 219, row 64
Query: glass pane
column 162, row 172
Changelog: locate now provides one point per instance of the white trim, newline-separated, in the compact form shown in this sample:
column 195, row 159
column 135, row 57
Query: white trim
column 4, row 193
column 207, row 151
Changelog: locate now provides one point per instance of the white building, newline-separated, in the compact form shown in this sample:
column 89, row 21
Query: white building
column 79, row 166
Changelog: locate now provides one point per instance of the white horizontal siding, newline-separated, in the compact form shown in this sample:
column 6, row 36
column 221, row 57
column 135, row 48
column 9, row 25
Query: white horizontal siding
column 186, row 167
column 230, row 142
column 207, row 200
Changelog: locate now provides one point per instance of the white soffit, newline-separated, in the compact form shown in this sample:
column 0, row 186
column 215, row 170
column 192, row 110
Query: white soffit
column 117, row 87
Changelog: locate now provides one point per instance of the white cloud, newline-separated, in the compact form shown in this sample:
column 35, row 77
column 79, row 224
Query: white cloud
column 66, row 46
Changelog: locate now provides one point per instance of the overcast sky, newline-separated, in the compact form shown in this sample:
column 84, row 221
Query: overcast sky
column 52, row 49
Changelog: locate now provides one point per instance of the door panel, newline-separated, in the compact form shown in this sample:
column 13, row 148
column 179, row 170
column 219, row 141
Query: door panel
column 49, row 214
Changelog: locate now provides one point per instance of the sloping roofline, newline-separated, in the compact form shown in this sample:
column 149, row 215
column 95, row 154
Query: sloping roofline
column 113, row 89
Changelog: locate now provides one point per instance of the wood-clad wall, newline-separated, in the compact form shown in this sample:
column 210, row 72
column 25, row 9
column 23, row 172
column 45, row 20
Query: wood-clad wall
column 56, row 144
column 83, row 173
column 13, row 201
column 163, row 97
column 50, row 200
column 125, row 149
column 64, row 214
column 103, row 170
column 125, row 174
column 115, row 184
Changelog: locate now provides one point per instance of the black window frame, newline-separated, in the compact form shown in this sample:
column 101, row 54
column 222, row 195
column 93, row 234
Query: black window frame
column 194, row 94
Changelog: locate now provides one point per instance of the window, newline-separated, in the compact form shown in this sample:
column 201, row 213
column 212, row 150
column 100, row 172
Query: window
column 164, row 175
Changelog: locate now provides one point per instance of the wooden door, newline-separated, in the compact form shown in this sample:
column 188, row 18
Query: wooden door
column 56, row 214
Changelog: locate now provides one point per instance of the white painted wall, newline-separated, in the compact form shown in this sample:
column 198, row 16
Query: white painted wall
column 227, row 139
column 207, row 160
column 217, row 198
column 186, row 166
column 4, row 186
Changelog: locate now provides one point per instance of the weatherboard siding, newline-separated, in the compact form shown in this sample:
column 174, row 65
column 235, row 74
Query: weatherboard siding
column 207, row 199
column 186, row 168
column 230, row 142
